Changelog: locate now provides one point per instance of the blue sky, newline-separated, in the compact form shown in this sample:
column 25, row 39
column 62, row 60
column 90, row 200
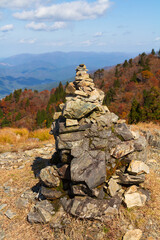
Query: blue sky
column 37, row 26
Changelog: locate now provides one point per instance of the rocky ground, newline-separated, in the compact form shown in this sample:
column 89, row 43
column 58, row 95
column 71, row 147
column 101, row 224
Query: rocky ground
column 18, row 191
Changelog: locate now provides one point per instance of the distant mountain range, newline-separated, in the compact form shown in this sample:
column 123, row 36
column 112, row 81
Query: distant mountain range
column 45, row 71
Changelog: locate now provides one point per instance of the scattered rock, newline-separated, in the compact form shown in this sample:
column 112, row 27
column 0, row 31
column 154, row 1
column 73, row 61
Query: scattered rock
column 137, row 167
column 3, row 206
column 41, row 213
column 135, row 234
column 2, row 234
column 22, row 203
column 133, row 197
column 10, row 214
column 113, row 186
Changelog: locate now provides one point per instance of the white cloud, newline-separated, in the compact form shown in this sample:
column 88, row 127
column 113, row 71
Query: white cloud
column 28, row 41
column 6, row 28
column 43, row 27
column 68, row 11
column 157, row 39
column 98, row 34
column 58, row 44
column 86, row 43
column 18, row 3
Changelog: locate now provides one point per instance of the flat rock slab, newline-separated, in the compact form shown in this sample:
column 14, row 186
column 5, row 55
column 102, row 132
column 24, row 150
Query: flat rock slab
column 122, row 149
column 78, row 109
column 10, row 214
column 137, row 167
column 123, row 130
column 41, row 213
column 2, row 234
column 127, row 179
column 90, row 208
column 50, row 193
column 135, row 234
column 3, row 206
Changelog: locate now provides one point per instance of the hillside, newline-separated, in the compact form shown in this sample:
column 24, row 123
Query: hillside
column 133, row 85
column 132, row 91
column 45, row 71
column 30, row 109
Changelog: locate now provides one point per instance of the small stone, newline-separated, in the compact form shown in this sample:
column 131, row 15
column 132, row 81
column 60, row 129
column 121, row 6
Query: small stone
column 122, row 149
column 2, row 234
column 50, row 193
column 123, row 130
column 10, row 214
column 138, row 167
column 22, row 203
column 135, row 234
column 113, row 186
column 34, row 217
column 71, row 122
column 56, row 115
column 50, row 176
column 3, row 206
column 127, row 179
column 45, row 215
column 135, row 199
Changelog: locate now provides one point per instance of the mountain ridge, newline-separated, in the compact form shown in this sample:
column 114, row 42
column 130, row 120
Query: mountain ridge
column 56, row 66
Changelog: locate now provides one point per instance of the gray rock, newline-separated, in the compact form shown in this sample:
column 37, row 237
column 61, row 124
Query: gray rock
column 22, row 203
column 64, row 172
column 41, row 213
column 98, row 143
column 138, row 155
column 122, row 149
column 123, row 130
column 140, row 143
column 10, row 214
column 80, row 190
column 90, row 208
column 71, row 137
column 45, row 215
column 34, row 217
column 2, row 234
column 68, row 145
column 88, row 170
column 78, row 109
column 126, row 179
column 50, row 193
column 29, row 195
column 46, row 205
column 50, row 177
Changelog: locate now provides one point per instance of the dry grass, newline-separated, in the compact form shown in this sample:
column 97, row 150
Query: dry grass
column 14, row 139
column 146, row 127
column 41, row 134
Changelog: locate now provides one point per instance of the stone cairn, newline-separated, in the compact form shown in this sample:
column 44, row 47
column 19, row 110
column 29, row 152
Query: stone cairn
column 99, row 162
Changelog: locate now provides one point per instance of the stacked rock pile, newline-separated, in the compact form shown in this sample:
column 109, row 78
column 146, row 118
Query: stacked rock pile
column 97, row 156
